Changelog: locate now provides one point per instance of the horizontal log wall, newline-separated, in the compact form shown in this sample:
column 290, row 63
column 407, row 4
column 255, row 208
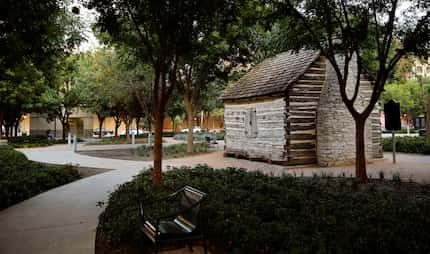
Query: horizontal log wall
column 302, row 100
column 270, row 140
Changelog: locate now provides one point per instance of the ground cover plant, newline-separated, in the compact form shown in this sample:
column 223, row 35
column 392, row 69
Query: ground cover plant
column 200, row 136
column 21, row 179
column 34, row 141
column 117, row 141
column 408, row 145
column 173, row 151
column 249, row 212
column 30, row 141
column 402, row 131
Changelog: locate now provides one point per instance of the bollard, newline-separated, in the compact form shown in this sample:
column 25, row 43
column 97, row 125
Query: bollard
column 149, row 139
column 69, row 139
column 75, row 143
column 133, row 139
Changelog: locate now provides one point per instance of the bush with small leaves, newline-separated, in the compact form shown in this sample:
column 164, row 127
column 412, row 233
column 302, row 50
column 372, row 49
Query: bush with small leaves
column 408, row 145
column 21, row 179
column 249, row 212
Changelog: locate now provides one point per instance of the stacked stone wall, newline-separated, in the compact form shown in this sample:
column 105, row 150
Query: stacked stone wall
column 336, row 126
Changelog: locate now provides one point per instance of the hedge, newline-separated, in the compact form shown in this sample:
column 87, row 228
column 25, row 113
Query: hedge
column 200, row 136
column 21, row 179
column 249, row 212
column 34, row 141
column 174, row 150
column 402, row 131
column 408, row 145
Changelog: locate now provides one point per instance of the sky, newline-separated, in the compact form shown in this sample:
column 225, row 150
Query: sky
column 88, row 17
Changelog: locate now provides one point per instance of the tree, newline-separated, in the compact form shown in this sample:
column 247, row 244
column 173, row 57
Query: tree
column 209, row 102
column 34, row 33
column 409, row 96
column 161, row 32
column 20, row 93
column 428, row 118
column 197, row 69
column 97, row 79
column 60, row 100
column 346, row 31
column 175, row 108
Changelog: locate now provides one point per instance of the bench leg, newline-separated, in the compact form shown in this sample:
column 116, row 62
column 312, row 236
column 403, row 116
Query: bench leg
column 205, row 247
column 156, row 248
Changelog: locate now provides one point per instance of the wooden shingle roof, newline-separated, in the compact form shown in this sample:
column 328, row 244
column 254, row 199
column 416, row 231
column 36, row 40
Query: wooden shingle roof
column 272, row 76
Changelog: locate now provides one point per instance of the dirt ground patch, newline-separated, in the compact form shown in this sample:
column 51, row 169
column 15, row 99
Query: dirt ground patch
column 86, row 171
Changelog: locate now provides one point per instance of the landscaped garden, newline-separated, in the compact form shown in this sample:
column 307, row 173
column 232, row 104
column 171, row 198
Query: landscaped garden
column 146, row 153
column 249, row 212
column 117, row 141
column 173, row 151
column 32, row 141
column 408, row 144
column 21, row 179
column 200, row 136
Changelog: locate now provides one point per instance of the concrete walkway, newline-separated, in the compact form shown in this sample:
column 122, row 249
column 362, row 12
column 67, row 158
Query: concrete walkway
column 63, row 220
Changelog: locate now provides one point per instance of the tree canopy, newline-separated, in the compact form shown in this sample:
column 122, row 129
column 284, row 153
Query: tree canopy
column 162, row 33
column 351, row 33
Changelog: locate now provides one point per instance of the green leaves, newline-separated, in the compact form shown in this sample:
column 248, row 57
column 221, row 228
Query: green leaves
column 249, row 212
column 411, row 95
column 21, row 179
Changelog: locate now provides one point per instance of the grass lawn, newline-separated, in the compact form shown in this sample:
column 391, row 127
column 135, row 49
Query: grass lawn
column 249, row 212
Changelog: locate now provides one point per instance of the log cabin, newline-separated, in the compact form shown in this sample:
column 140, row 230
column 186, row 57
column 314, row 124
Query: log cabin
column 288, row 110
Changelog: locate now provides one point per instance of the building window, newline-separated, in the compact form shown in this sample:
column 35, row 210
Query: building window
column 251, row 129
column 419, row 69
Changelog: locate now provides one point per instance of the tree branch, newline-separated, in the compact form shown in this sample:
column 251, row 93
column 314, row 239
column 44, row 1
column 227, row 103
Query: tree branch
column 144, row 39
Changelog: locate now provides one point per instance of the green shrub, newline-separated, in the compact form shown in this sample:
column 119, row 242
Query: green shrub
column 408, row 145
column 168, row 134
column 35, row 141
column 21, row 179
column 402, row 131
column 249, row 212
column 200, row 136
column 175, row 151
column 30, row 141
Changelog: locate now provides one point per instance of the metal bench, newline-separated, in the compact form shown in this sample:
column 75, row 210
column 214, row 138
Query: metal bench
column 183, row 225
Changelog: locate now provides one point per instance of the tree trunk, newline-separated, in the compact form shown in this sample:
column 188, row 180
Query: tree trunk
column 190, row 122
column 127, row 129
column 360, row 153
column 137, row 125
column 158, row 148
column 117, row 125
column 428, row 119
column 207, row 121
column 189, row 108
column 1, row 124
column 63, row 127
column 101, row 120
column 15, row 127
column 173, row 126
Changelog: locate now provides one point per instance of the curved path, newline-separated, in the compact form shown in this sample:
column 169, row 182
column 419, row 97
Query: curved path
column 64, row 219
